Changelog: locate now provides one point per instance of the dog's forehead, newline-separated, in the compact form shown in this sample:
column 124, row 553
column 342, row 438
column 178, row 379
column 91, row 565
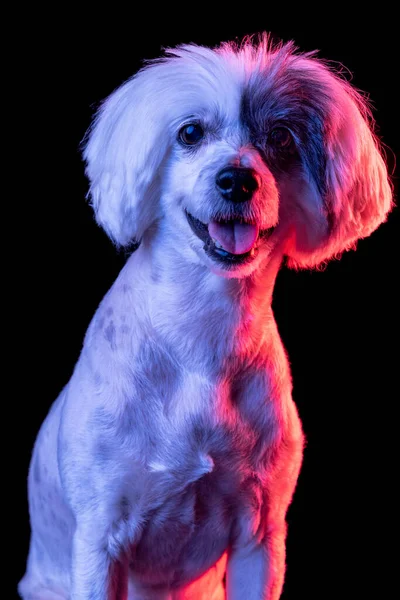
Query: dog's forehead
column 236, row 88
column 286, row 96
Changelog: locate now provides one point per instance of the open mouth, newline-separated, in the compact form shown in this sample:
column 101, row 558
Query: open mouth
column 231, row 242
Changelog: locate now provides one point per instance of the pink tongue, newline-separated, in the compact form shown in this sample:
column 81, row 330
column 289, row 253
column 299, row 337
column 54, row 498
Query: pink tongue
column 234, row 237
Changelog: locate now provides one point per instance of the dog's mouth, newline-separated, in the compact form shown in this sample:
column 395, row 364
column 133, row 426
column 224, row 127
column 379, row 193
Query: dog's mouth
column 231, row 242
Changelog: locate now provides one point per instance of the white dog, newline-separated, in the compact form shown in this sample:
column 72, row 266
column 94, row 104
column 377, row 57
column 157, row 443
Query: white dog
column 166, row 466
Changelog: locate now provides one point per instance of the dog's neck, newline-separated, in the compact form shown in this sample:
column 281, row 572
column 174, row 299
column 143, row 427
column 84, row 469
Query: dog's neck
column 204, row 316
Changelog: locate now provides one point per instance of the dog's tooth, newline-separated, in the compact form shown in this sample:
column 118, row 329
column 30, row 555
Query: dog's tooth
column 217, row 244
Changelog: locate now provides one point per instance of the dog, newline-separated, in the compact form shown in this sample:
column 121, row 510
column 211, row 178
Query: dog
column 165, row 468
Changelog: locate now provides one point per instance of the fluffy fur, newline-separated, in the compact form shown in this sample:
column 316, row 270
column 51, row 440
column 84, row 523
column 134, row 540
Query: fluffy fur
column 167, row 464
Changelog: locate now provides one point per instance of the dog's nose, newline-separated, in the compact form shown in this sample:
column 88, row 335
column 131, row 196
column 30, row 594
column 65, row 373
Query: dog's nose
column 237, row 184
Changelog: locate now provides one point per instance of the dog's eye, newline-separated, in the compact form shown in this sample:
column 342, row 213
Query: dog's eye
column 191, row 134
column 281, row 138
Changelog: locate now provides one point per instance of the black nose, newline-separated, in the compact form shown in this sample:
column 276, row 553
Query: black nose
column 237, row 184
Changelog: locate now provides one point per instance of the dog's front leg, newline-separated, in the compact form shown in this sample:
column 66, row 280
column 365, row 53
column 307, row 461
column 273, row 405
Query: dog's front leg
column 96, row 575
column 256, row 571
column 256, row 562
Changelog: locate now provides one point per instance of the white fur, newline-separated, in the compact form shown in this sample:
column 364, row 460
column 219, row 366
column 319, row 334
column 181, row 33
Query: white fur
column 172, row 454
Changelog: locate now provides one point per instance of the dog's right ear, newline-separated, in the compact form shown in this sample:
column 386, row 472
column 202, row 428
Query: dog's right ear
column 123, row 150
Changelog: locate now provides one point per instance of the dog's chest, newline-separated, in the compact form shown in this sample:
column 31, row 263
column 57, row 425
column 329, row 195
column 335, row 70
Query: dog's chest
column 200, row 477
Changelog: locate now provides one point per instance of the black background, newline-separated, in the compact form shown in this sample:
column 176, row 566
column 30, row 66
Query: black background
column 340, row 327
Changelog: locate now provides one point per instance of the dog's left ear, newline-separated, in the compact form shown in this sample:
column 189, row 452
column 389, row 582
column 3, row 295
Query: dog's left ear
column 356, row 195
column 124, row 150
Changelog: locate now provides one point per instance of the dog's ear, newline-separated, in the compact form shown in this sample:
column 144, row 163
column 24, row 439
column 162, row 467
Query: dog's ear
column 124, row 150
column 355, row 196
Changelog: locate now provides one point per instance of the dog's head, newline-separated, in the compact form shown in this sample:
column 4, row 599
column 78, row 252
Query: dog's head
column 235, row 152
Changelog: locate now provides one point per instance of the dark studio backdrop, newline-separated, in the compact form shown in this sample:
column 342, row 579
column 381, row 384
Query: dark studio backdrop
column 340, row 326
